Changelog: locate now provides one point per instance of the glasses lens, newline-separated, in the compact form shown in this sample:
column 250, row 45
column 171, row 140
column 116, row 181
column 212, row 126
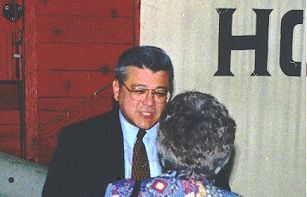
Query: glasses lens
column 161, row 97
column 140, row 93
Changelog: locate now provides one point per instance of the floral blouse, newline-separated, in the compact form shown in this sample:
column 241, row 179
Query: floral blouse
column 167, row 185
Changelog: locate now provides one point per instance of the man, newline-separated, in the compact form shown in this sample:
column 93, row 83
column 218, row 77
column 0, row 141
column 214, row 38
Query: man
column 92, row 153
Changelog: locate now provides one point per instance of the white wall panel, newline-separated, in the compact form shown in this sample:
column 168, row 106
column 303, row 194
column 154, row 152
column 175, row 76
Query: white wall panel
column 270, row 157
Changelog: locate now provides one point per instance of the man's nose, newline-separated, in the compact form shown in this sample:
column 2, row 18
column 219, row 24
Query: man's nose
column 149, row 99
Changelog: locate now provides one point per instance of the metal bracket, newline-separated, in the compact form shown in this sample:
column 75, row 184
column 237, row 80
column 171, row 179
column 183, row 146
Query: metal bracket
column 12, row 11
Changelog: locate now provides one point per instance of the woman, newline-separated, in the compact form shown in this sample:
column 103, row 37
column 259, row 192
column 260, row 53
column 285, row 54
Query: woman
column 195, row 140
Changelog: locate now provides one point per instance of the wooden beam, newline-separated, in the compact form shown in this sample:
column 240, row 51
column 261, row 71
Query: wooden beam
column 30, row 77
column 137, row 12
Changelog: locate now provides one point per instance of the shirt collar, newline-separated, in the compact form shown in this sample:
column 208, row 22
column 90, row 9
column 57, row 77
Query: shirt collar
column 130, row 131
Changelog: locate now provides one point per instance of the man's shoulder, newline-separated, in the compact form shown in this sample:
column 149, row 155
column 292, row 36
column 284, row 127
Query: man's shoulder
column 92, row 125
column 105, row 118
column 98, row 119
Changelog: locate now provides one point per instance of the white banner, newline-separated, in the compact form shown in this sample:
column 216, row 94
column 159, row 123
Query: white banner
column 250, row 55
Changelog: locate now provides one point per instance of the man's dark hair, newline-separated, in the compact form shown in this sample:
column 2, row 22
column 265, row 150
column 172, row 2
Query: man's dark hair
column 150, row 57
column 196, row 135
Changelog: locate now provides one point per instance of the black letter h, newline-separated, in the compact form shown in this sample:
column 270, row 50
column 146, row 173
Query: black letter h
column 227, row 42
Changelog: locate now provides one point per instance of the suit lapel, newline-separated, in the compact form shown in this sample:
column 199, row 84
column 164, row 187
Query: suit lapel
column 118, row 146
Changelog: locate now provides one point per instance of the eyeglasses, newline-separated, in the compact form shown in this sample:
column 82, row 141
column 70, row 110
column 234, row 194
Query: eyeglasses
column 139, row 93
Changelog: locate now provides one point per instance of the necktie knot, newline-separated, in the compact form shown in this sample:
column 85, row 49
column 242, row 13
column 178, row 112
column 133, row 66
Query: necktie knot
column 140, row 135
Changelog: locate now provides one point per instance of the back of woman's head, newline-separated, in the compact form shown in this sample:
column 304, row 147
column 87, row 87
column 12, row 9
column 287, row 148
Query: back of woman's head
column 196, row 135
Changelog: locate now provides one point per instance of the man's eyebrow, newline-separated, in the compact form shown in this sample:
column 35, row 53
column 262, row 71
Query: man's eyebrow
column 162, row 87
column 138, row 85
column 144, row 86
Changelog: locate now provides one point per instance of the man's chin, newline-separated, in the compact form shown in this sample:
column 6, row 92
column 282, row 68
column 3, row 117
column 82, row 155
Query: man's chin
column 146, row 126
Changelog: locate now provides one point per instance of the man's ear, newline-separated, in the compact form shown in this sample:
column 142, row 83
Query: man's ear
column 115, row 86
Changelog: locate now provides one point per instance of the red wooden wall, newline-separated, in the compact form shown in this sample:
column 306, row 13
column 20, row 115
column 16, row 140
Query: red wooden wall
column 10, row 83
column 70, row 49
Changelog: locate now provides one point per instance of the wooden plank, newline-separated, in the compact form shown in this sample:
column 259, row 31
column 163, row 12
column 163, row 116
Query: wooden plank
column 58, row 104
column 7, row 66
column 9, row 117
column 68, row 104
column 72, row 112
column 71, row 83
column 59, row 29
column 48, row 119
column 137, row 21
column 10, row 139
column 94, row 110
column 9, row 93
column 95, row 104
column 114, row 8
column 44, row 116
column 58, row 56
column 7, row 26
column 10, row 132
column 30, row 60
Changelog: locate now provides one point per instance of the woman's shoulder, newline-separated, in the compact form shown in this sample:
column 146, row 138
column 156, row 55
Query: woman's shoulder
column 168, row 185
column 171, row 185
column 164, row 185
column 217, row 191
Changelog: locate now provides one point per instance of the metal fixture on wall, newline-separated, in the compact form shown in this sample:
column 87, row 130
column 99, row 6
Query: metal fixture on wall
column 12, row 11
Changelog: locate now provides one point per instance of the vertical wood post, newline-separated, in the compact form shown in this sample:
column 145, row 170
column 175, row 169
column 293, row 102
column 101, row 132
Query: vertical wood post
column 30, row 72
column 137, row 12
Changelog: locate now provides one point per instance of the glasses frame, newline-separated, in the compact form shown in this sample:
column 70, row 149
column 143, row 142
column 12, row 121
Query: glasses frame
column 153, row 92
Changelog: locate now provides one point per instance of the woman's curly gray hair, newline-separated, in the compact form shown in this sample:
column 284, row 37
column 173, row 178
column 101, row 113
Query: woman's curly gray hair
column 196, row 135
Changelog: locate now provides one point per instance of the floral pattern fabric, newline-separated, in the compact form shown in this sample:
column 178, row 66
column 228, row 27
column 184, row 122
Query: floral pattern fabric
column 167, row 185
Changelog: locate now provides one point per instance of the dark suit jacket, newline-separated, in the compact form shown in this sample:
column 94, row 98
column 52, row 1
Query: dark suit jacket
column 89, row 155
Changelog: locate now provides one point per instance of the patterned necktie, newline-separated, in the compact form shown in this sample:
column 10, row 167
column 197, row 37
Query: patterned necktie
column 140, row 164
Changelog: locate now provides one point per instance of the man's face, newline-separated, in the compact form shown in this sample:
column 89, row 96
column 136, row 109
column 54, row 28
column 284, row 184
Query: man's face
column 144, row 113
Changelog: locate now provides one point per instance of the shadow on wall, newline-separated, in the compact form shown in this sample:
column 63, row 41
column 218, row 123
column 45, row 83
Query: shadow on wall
column 20, row 178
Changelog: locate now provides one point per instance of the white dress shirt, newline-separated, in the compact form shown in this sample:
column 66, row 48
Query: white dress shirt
column 150, row 141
